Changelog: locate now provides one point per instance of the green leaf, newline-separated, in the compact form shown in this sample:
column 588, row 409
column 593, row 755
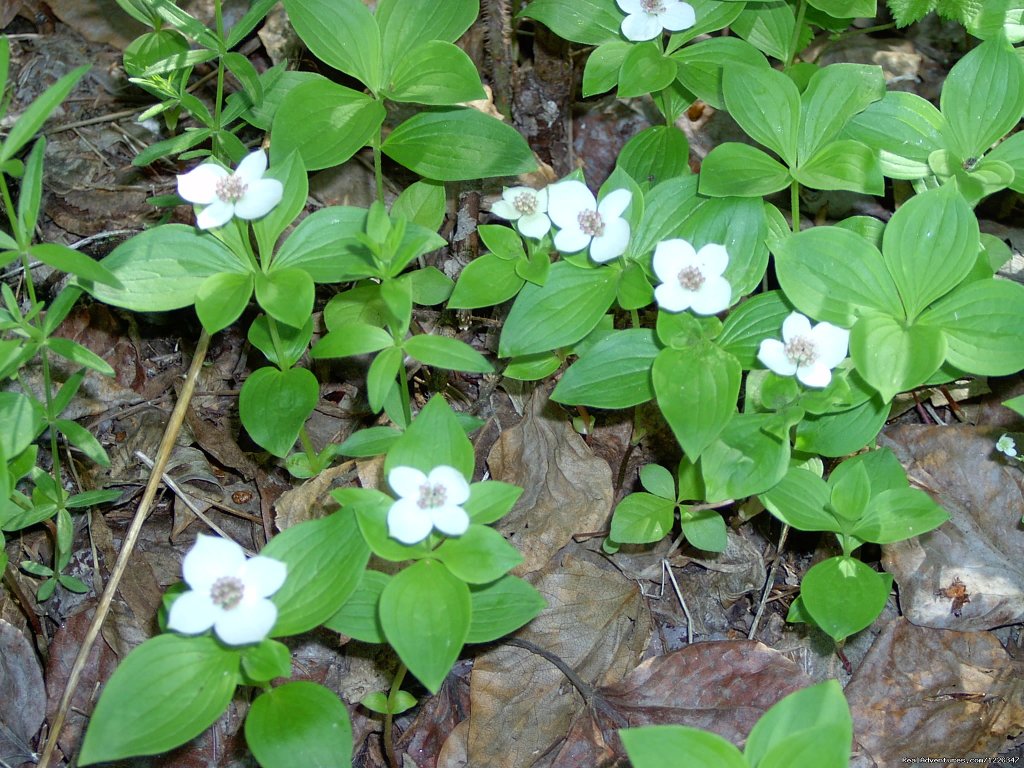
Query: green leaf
column 36, row 113
column 372, row 441
column 83, row 440
column 832, row 274
column 380, row 379
column 704, row 529
column 843, row 595
column 23, row 419
column 491, row 500
column 590, row 22
column 425, row 612
column 404, row 25
column 894, row 357
column 904, row 128
column 267, row 660
column 293, row 341
column 479, row 556
column 702, row 64
column 678, row 746
column 162, row 268
column 645, row 69
column 758, row 318
column 747, row 458
column 847, row 9
column 658, row 480
column 843, row 164
column 446, row 352
column 342, row 33
column 326, row 245
column 816, row 717
column 843, row 432
column 286, row 295
column 30, row 193
column 222, row 298
column 561, row 312
column 166, row 691
column 899, row 514
column 274, row 405
column 741, row 170
column 702, row 374
column 422, row 203
column 642, row 518
column 435, row 72
column 850, row 492
column 994, row 19
column 457, row 144
column 352, row 339
column 614, row 373
column 325, row 559
column 655, row 154
column 929, row 246
column 501, row 607
column 299, row 722
column 766, row 104
column 799, row 500
column 434, row 438
column 834, row 95
column 359, row 616
column 487, row 280
column 983, row 97
column 712, row 15
column 601, row 72
column 76, row 353
column 768, row 27
column 983, row 323
column 325, row 123
column 292, row 174
column 75, row 263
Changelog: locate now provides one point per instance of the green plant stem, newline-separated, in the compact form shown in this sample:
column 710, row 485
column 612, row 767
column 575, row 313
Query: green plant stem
column 389, row 738
column 794, row 41
column 403, row 392
column 378, row 171
column 219, row 23
column 794, row 204
column 634, row 317
column 307, row 446
column 275, row 337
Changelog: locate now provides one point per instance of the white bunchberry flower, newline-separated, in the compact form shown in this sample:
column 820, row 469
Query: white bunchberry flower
column 228, row 592
column 244, row 193
column 647, row 18
column 1006, row 445
column 810, row 353
column 582, row 221
column 527, row 208
column 427, row 502
column 691, row 279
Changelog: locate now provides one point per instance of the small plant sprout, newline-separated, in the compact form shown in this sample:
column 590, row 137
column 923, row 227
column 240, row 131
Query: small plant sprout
column 525, row 207
column 1007, row 446
column 582, row 221
column 244, row 193
column 810, row 353
column 691, row 279
column 228, row 592
column 647, row 19
column 426, row 502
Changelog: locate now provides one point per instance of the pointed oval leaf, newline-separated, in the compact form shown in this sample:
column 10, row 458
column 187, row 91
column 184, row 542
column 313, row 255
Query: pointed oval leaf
column 299, row 723
column 274, row 404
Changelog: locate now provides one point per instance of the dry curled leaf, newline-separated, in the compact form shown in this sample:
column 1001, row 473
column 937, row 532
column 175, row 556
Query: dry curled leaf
column 22, row 696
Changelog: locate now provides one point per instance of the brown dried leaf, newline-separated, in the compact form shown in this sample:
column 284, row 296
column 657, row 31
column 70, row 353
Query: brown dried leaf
column 22, row 696
column 522, row 705
column 101, row 21
column 933, row 693
column 567, row 489
column 980, row 545
column 311, row 500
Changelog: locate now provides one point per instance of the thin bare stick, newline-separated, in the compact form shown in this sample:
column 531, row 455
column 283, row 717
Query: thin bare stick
column 667, row 568
column 103, row 607
column 769, row 584
column 169, row 482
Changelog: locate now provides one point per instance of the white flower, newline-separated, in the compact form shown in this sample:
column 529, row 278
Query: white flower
column 244, row 193
column 229, row 593
column 1006, row 445
column 527, row 208
column 582, row 222
column 810, row 353
column 427, row 502
column 647, row 18
column 691, row 279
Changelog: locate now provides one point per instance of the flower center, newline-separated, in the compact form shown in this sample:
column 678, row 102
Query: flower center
column 652, row 6
column 227, row 592
column 525, row 203
column 591, row 223
column 691, row 278
column 801, row 351
column 231, row 188
column 432, row 496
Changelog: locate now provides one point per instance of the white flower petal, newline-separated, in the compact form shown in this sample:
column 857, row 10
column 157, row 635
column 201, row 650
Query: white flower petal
column 713, row 259
column 211, row 558
column 670, row 256
column 795, row 325
column 455, row 485
column 252, row 167
column 217, row 214
column 831, row 343
column 542, row 200
column 571, row 239
column 629, row 6
column 567, row 199
column 199, row 185
column 677, row 16
column 450, row 519
column 612, row 243
column 772, row 354
column 672, row 297
column 408, row 523
column 815, row 375
column 262, row 576
column 249, row 622
column 713, row 297
column 641, row 26
column 505, row 210
column 193, row 612
column 535, row 225
column 406, row 481
column 614, row 203
column 259, row 198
